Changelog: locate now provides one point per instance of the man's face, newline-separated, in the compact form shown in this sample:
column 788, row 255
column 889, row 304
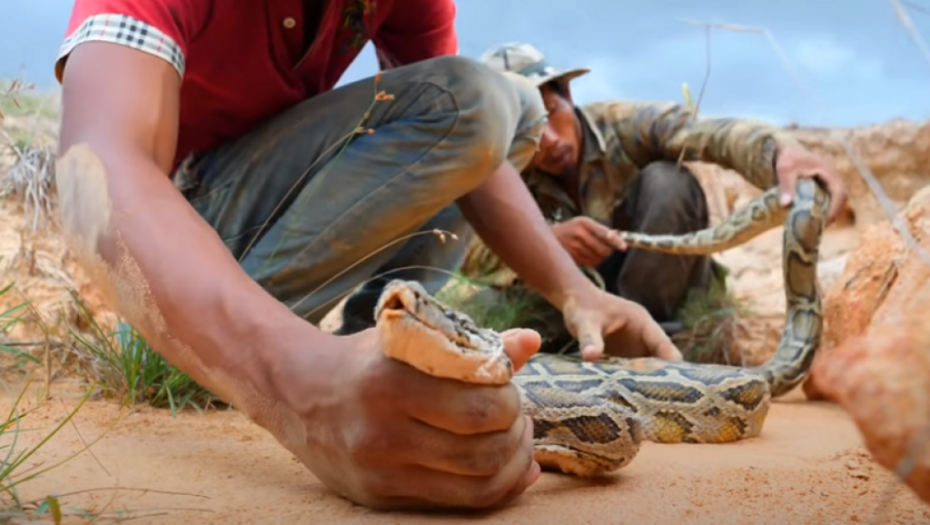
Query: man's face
column 560, row 145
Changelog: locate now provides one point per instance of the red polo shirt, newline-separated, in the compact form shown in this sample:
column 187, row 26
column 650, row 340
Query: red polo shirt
column 245, row 61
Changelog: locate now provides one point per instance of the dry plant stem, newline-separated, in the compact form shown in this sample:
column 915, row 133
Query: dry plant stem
column 47, row 343
column 905, row 20
column 717, row 197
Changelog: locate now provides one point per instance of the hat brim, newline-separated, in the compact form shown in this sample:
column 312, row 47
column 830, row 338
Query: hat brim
column 564, row 76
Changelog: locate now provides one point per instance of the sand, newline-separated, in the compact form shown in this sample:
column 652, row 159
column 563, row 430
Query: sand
column 808, row 467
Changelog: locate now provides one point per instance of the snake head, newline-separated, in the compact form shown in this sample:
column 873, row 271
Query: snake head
column 419, row 330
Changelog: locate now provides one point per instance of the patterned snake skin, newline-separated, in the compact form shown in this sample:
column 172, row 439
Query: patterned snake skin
column 591, row 417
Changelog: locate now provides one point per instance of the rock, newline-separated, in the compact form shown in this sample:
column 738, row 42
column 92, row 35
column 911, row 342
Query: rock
column 878, row 281
column 882, row 379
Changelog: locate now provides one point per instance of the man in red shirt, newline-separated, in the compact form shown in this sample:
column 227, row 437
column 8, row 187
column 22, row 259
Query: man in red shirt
column 235, row 187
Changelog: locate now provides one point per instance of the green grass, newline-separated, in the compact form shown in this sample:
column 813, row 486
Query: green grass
column 14, row 470
column 8, row 319
column 489, row 308
column 124, row 367
column 710, row 318
column 510, row 307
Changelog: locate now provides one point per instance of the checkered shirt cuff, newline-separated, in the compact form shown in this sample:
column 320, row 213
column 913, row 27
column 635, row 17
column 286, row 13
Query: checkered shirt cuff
column 128, row 31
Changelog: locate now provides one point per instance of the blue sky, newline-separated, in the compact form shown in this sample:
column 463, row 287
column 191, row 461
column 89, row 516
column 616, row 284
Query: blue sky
column 857, row 63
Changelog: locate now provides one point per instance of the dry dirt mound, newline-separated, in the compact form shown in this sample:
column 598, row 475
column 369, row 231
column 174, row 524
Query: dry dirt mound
column 876, row 362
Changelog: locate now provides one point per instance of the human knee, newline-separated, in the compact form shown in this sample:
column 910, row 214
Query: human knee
column 664, row 177
column 500, row 117
column 667, row 184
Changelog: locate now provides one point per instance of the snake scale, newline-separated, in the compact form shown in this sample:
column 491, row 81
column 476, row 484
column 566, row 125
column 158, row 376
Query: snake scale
column 590, row 418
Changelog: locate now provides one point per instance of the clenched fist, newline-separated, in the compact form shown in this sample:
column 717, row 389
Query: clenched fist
column 388, row 436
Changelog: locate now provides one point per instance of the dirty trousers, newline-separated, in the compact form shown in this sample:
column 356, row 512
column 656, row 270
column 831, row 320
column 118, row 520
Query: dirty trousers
column 310, row 217
column 663, row 199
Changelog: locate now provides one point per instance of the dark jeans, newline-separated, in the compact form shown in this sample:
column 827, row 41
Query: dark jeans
column 306, row 217
column 664, row 199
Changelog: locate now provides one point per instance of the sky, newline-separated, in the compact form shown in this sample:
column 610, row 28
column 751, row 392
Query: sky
column 830, row 63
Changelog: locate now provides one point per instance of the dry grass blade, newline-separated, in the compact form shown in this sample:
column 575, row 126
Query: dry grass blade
column 30, row 178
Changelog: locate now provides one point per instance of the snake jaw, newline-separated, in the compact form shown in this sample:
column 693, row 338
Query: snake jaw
column 418, row 330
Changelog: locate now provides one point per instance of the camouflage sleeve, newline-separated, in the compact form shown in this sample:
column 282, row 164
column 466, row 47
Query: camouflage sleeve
column 655, row 131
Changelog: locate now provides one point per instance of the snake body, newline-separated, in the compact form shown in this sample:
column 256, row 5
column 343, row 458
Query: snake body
column 591, row 417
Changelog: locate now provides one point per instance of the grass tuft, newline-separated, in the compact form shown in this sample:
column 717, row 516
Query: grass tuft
column 125, row 368
column 489, row 308
column 14, row 470
column 503, row 308
column 711, row 320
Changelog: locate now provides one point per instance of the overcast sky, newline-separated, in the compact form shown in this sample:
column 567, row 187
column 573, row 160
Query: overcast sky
column 855, row 62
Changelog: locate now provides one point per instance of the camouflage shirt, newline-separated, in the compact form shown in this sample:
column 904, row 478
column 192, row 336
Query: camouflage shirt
column 622, row 137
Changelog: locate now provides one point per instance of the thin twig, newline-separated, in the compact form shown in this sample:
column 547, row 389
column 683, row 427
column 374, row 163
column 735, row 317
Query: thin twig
column 905, row 20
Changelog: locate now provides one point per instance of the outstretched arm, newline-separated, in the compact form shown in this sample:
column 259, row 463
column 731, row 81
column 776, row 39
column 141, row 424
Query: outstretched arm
column 765, row 155
column 654, row 131
column 528, row 246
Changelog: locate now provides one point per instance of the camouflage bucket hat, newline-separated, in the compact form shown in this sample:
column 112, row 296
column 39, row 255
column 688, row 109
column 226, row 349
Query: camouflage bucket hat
column 526, row 60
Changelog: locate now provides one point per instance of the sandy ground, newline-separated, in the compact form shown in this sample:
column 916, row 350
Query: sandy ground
column 808, row 467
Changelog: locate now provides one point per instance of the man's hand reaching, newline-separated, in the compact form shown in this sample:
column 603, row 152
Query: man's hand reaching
column 586, row 240
column 597, row 315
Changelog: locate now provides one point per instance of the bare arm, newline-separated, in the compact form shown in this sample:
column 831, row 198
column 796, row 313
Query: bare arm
column 527, row 244
column 203, row 313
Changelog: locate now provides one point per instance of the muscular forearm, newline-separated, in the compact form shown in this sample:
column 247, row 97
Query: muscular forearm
column 170, row 275
column 508, row 221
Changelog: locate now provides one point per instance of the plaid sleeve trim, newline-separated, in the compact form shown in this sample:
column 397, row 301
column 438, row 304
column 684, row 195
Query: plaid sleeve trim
column 124, row 30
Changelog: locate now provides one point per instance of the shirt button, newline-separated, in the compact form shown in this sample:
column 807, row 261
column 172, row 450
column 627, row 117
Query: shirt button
column 289, row 23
